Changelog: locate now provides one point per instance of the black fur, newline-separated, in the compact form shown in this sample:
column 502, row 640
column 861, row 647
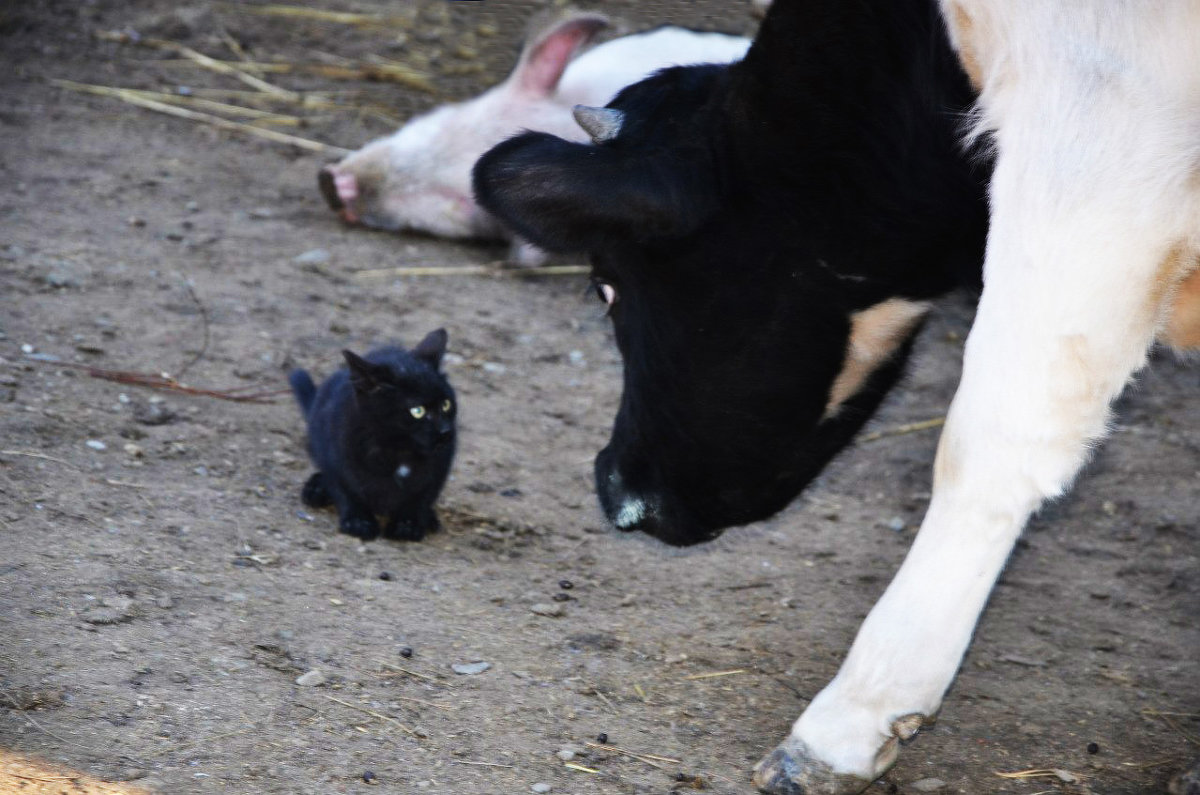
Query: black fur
column 742, row 214
column 374, row 457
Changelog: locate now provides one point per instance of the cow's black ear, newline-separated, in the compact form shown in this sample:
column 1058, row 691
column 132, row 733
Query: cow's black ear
column 566, row 197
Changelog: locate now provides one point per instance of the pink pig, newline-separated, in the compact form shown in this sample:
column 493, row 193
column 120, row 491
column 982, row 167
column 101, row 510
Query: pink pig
column 419, row 178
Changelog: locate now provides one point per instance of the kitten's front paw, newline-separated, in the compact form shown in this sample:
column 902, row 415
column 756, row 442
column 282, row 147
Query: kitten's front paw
column 314, row 494
column 404, row 530
column 364, row 527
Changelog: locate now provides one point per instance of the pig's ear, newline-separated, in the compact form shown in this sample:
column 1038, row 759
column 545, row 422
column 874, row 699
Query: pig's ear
column 567, row 197
column 547, row 53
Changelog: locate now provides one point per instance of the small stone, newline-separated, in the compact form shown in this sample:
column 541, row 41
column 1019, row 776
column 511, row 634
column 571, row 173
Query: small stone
column 368, row 777
column 566, row 585
column 261, row 213
column 152, row 413
column 134, row 450
column 406, row 652
column 495, row 368
column 313, row 678
column 567, row 753
column 96, row 444
column 602, row 738
column 192, row 207
column 540, row 787
column 469, row 669
column 548, row 610
column 896, row 524
column 165, row 602
column 562, row 597
column 928, row 785
column 385, row 575
column 314, row 256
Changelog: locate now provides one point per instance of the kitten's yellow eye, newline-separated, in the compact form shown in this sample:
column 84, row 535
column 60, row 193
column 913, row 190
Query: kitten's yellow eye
column 417, row 411
column 446, row 406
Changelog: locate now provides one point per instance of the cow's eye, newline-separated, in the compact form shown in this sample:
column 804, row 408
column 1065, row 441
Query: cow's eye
column 606, row 292
column 417, row 411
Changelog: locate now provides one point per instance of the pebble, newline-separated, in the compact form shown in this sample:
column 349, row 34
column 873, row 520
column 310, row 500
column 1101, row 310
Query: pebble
column 566, row 585
column 406, row 652
column 152, row 413
column 313, row 678
column 368, row 776
column 928, row 785
column 134, row 450
column 96, row 444
column 896, row 524
column 602, row 738
column 548, row 610
column 567, row 753
column 540, row 787
column 111, row 610
column 494, row 367
column 314, row 256
column 468, row 669
column 385, row 575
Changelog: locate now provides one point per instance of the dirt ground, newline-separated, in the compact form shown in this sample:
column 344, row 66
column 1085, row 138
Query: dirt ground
column 162, row 588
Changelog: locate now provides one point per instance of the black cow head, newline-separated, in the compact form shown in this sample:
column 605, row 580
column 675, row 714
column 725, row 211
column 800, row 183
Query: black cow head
column 763, row 281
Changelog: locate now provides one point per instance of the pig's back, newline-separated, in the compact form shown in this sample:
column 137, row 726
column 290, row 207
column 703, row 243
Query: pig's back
column 595, row 77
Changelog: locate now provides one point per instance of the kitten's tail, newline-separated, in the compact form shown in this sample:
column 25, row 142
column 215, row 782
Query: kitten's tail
column 303, row 388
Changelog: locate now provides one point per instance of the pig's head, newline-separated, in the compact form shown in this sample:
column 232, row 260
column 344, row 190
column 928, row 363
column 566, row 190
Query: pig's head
column 419, row 178
column 766, row 246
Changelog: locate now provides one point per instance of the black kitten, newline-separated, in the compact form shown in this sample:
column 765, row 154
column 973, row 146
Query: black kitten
column 381, row 433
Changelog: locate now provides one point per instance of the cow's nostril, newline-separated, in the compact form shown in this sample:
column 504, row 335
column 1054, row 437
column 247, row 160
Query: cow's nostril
column 630, row 514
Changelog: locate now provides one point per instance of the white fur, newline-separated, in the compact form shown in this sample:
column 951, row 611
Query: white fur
column 1095, row 107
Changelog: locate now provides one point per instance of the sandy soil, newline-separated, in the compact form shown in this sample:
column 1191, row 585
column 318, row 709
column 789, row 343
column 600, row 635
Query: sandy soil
column 162, row 588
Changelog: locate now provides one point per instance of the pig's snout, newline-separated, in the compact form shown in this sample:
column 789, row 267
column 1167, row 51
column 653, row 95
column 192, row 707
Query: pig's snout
column 340, row 190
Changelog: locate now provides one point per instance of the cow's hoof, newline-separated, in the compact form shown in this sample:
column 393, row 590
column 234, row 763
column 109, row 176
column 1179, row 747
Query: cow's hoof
column 1187, row 783
column 791, row 770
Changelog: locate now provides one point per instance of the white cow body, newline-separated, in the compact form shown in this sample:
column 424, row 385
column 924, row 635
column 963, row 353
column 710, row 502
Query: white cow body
column 1093, row 254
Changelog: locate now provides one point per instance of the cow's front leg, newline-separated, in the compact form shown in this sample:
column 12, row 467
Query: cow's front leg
column 1077, row 274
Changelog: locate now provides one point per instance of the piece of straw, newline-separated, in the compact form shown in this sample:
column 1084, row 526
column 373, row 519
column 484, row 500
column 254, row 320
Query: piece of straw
column 215, row 121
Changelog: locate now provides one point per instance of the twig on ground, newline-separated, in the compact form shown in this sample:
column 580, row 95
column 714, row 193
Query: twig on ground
column 374, row 714
column 715, row 674
column 321, row 15
column 30, row 454
column 480, row 764
column 1169, row 719
column 654, row 760
column 221, row 67
column 204, row 320
column 900, row 430
column 489, row 269
column 410, row 673
column 168, row 384
column 125, row 95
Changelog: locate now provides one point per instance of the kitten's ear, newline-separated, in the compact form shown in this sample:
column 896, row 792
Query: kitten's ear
column 432, row 348
column 364, row 376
